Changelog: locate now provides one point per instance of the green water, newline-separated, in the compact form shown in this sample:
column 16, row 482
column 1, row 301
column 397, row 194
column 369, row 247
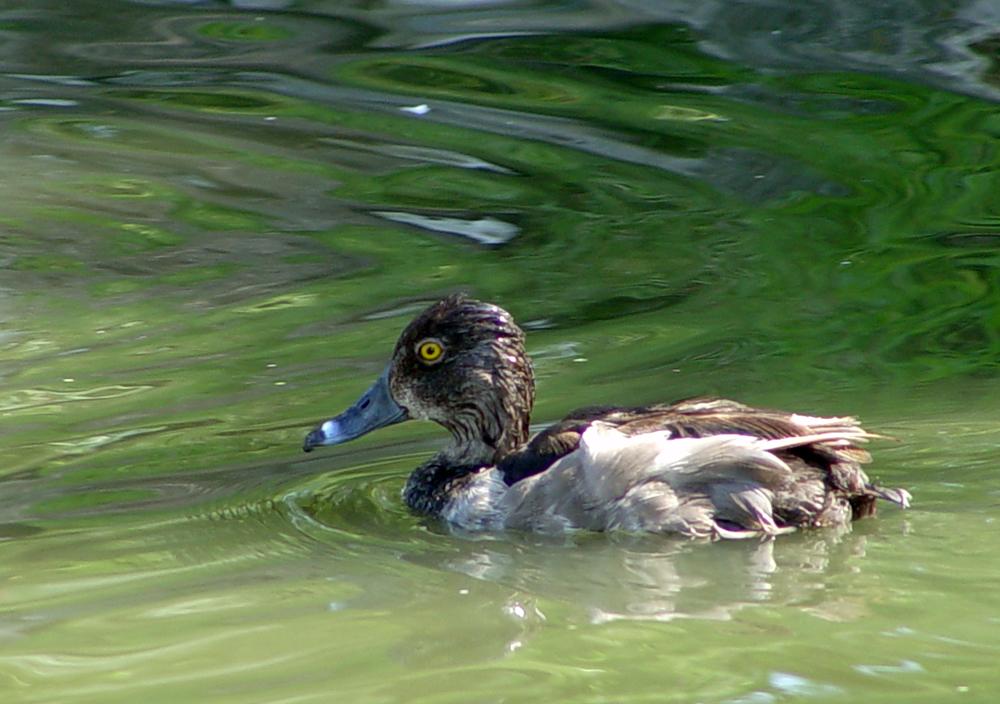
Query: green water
column 217, row 220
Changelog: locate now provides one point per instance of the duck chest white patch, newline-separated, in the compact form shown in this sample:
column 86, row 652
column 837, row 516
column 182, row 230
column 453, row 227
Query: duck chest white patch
column 476, row 505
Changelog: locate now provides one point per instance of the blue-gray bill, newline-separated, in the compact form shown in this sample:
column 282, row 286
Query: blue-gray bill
column 375, row 409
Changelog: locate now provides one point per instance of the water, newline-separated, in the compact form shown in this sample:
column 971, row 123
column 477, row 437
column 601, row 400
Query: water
column 218, row 217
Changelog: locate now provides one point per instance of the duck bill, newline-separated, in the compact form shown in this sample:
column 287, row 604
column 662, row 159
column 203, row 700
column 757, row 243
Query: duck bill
column 375, row 409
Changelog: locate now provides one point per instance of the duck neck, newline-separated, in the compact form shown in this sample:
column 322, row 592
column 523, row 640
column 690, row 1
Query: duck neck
column 483, row 434
column 478, row 440
column 477, row 450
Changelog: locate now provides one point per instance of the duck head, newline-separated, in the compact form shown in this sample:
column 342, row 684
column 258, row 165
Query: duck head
column 461, row 363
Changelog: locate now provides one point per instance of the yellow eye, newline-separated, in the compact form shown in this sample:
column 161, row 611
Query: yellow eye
column 430, row 350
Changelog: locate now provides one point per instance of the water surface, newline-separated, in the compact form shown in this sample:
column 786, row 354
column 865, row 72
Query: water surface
column 218, row 217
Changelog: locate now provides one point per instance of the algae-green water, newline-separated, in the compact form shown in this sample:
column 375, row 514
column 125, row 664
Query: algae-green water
column 217, row 217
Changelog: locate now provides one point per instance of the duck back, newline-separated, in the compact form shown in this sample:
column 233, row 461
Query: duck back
column 702, row 467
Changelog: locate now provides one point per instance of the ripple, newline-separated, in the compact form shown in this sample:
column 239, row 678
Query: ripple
column 454, row 78
column 904, row 667
column 363, row 505
column 796, row 686
column 487, row 230
column 24, row 399
column 220, row 37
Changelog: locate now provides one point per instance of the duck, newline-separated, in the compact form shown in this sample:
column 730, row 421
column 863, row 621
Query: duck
column 702, row 468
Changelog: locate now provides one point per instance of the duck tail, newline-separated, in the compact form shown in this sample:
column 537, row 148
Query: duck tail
column 842, row 437
column 896, row 496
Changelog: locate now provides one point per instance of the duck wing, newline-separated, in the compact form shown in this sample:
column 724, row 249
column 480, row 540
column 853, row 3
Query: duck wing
column 757, row 469
column 823, row 453
column 694, row 418
column 722, row 485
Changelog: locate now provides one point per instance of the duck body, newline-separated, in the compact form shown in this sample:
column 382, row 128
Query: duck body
column 702, row 468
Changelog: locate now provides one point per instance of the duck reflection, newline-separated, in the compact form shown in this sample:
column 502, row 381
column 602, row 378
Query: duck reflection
column 635, row 578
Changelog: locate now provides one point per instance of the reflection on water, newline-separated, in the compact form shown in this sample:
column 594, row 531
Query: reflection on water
column 661, row 581
column 328, row 572
column 218, row 217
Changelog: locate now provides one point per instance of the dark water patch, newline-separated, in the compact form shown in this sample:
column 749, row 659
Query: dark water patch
column 667, row 52
column 762, row 178
column 987, row 242
column 817, row 102
column 625, row 305
column 245, row 31
column 198, row 99
column 17, row 531
column 227, row 269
